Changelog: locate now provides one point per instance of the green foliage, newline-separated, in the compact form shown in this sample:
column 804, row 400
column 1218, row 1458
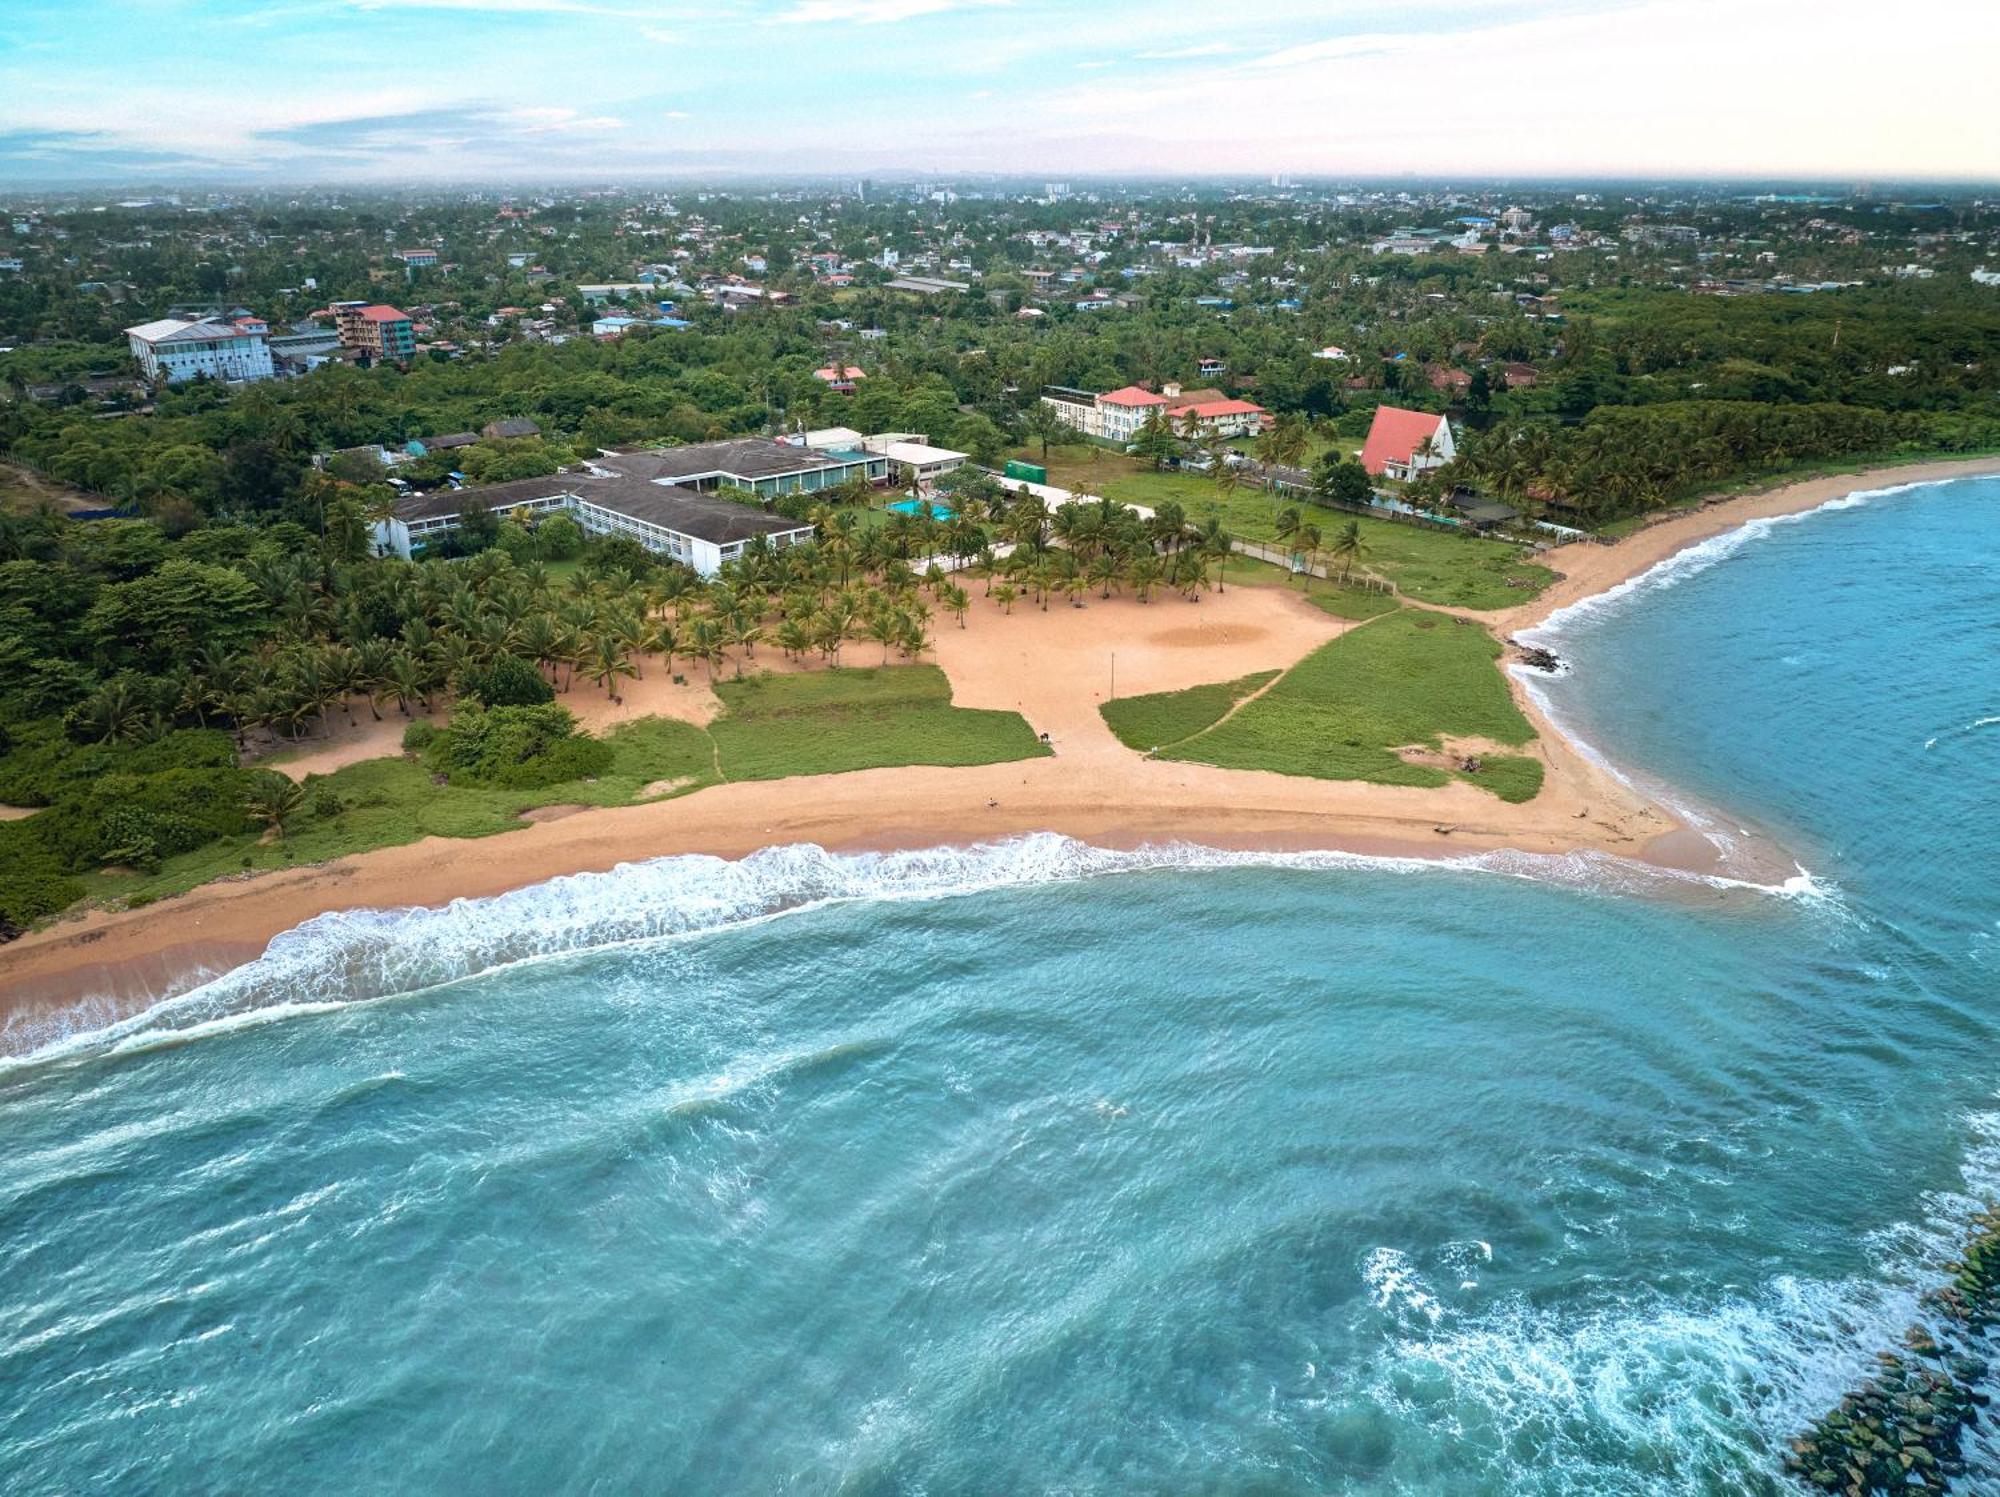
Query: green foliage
column 1165, row 717
column 27, row 896
column 392, row 801
column 504, row 681
column 151, row 620
column 418, row 736
column 833, row 721
column 1406, row 680
column 1432, row 566
column 1356, row 603
column 516, row 748
column 560, row 538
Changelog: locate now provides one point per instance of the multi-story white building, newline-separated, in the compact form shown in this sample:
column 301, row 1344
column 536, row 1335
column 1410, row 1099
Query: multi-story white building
column 701, row 504
column 174, row 350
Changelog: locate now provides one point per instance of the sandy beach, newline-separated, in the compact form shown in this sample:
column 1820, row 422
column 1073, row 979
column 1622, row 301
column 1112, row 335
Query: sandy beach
column 1055, row 668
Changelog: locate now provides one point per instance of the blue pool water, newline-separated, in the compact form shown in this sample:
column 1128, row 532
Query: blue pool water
column 917, row 506
column 1036, row 1168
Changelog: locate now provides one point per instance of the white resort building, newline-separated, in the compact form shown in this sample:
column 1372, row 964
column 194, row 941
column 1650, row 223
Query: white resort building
column 702, row 504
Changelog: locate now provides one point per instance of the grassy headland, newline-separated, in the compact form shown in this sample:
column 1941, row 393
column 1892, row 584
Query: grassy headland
column 1386, row 702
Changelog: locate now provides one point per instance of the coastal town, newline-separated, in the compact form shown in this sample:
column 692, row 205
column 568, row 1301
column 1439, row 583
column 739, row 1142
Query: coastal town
column 911, row 747
column 625, row 429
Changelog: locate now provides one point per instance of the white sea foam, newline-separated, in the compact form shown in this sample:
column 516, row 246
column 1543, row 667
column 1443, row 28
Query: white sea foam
column 1972, row 727
column 1694, row 560
column 1733, row 1379
column 355, row 955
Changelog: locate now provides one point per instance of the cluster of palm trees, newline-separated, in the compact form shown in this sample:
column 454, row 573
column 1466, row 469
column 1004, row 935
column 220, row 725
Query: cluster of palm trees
column 1626, row 459
column 384, row 634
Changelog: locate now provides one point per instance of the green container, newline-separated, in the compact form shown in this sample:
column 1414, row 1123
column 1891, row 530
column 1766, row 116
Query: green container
column 1027, row 472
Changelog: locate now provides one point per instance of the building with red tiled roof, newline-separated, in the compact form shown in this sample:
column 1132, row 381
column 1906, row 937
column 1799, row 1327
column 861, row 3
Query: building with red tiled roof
column 840, row 377
column 1117, row 415
column 1396, row 443
column 378, row 331
column 1132, row 397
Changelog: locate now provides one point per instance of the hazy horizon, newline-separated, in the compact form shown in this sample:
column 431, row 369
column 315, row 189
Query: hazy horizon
column 405, row 93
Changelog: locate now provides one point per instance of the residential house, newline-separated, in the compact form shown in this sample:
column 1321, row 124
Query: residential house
column 1402, row 444
column 840, row 378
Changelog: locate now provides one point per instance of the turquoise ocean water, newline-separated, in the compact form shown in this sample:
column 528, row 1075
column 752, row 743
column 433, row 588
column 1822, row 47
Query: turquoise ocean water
column 1041, row 1169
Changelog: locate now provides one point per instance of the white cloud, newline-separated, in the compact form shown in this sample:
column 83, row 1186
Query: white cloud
column 874, row 12
column 505, row 7
column 1182, row 54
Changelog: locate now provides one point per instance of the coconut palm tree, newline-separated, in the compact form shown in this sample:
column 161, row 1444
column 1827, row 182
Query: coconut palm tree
column 609, row 661
column 273, row 801
column 955, row 601
column 1348, row 546
column 1004, row 595
column 1307, row 540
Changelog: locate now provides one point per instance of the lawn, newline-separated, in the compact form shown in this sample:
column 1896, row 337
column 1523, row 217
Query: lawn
column 828, row 722
column 1432, row 566
column 1164, row 717
column 1409, row 679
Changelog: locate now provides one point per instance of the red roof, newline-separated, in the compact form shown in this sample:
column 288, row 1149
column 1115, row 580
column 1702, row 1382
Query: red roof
column 1208, row 410
column 1396, row 436
column 1131, row 395
column 379, row 313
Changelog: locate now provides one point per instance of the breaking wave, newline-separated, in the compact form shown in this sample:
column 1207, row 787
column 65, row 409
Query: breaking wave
column 1727, row 1382
column 1694, row 560
column 356, row 955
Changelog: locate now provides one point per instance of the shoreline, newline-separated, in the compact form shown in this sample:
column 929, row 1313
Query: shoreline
column 103, row 965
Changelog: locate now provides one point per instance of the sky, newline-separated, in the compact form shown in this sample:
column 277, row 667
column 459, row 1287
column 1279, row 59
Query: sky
column 403, row 91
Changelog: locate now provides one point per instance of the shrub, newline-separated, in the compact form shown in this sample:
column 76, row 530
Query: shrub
column 27, row 897
column 517, row 748
column 417, row 737
column 505, row 681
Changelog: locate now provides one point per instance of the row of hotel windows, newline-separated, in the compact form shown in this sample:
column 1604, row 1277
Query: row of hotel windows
column 601, row 521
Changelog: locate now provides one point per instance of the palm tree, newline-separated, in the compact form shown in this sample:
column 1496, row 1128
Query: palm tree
column 704, row 641
column 273, row 801
column 1287, row 522
column 114, row 711
column 955, row 601
column 404, row 681
column 1215, row 546
column 1285, row 444
column 609, row 661
column 884, row 627
column 1004, row 595
column 1307, row 539
column 1146, row 572
column 1348, row 546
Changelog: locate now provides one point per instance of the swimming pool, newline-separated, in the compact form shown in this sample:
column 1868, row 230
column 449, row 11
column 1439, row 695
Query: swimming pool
column 916, row 506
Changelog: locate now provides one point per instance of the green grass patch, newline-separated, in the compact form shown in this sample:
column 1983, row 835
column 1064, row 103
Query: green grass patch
column 1356, row 603
column 390, row 801
column 1409, row 678
column 829, row 722
column 1432, row 566
column 1512, row 777
column 1164, row 717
